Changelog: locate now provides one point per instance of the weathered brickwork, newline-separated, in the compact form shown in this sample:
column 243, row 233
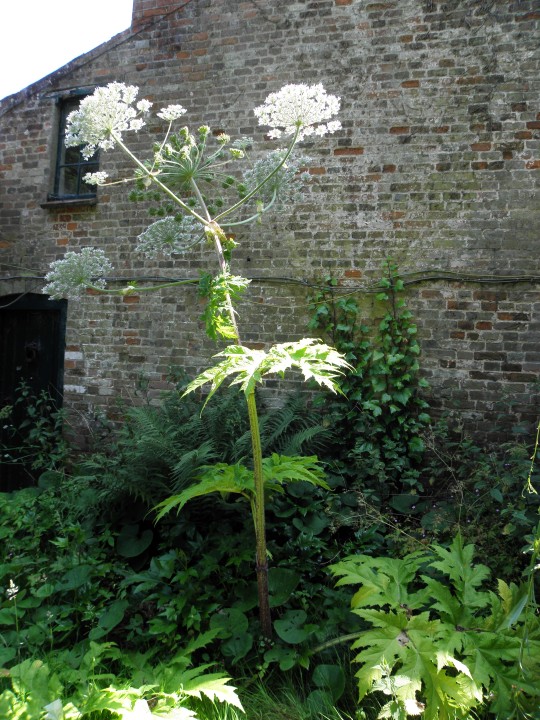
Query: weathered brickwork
column 437, row 166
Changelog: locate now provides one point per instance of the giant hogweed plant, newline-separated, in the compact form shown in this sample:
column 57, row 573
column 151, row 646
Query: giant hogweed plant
column 173, row 177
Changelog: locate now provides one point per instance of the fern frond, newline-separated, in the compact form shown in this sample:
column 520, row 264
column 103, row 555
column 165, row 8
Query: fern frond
column 190, row 463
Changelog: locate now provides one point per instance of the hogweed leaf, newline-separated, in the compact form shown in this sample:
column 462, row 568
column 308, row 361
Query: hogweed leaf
column 221, row 292
column 222, row 478
column 383, row 581
column 459, row 652
column 214, row 686
column 514, row 600
column 248, row 367
column 457, row 563
column 448, row 605
column 237, row 479
column 494, row 661
column 282, row 469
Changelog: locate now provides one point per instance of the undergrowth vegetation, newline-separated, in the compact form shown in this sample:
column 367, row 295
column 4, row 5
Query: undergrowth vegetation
column 106, row 613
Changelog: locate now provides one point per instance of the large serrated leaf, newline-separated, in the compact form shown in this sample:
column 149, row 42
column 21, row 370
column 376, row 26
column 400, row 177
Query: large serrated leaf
column 213, row 686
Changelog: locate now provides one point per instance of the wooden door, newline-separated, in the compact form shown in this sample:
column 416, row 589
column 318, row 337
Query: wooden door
column 32, row 340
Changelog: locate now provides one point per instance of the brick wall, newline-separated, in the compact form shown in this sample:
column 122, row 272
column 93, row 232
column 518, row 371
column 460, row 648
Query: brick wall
column 437, row 166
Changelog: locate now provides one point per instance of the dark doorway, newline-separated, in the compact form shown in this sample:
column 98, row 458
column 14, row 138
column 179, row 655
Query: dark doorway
column 32, row 341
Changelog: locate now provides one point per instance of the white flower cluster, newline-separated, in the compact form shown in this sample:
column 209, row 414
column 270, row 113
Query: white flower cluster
column 11, row 592
column 96, row 178
column 169, row 236
column 306, row 107
column 69, row 277
column 286, row 184
column 108, row 110
column 171, row 112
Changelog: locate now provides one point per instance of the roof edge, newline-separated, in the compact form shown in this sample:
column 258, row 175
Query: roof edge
column 46, row 82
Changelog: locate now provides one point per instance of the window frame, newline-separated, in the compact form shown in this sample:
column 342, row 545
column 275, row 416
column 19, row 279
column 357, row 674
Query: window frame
column 65, row 105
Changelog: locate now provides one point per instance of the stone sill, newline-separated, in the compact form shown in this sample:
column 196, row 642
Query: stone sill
column 68, row 202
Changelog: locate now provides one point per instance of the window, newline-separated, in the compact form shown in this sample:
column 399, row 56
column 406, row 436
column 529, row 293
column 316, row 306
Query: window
column 71, row 166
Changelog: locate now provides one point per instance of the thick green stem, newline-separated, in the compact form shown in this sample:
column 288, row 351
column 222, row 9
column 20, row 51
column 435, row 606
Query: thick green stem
column 214, row 231
column 259, row 520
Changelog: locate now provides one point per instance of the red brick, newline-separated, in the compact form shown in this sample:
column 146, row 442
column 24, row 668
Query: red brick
column 349, row 151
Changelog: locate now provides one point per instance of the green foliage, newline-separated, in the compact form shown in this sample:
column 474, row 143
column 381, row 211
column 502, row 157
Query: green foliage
column 64, row 575
column 221, row 292
column 381, row 417
column 160, row 450
column 33, row 432
column 477, row 491
column 315, row 360
column 80, row 686
column 237, row 479
column 438, row 643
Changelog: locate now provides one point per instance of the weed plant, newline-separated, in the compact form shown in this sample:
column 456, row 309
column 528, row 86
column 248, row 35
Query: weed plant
column 100, row 597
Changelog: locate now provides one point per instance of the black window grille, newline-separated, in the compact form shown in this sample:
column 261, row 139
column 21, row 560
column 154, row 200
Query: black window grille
column 71, row 166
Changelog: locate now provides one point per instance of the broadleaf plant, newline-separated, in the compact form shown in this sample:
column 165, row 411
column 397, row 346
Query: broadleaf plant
column 173, row 178
column 237, row 479
column 438, row 643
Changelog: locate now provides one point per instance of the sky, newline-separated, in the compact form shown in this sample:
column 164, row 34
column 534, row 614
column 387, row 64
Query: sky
column 39, row 36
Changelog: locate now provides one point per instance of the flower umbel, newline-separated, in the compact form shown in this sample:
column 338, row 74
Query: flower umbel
column 171, row 112
column 169, row 236
column 109, row 110
column 96, row 178
column 69, row 277
column 286, row 184
column 299, row 106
